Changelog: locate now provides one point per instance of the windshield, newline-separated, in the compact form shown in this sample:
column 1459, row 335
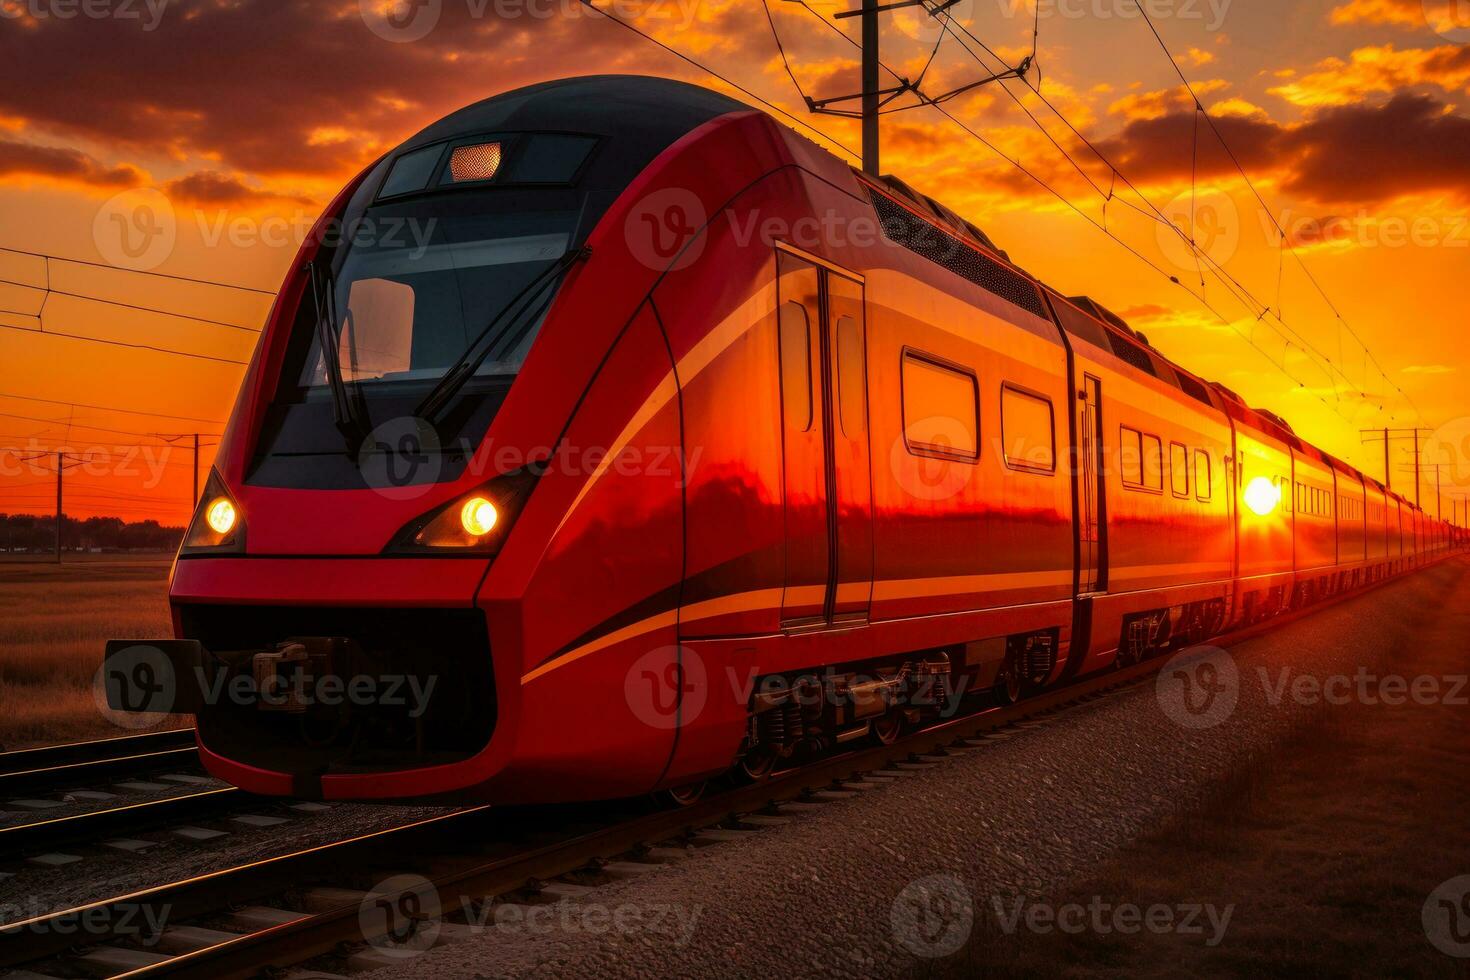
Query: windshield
column 406, row 307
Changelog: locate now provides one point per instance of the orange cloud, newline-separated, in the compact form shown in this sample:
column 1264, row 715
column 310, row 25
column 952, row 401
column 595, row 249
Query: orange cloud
column 1154, row 105
column 1376, row 70
column 1195, row 57
column 1437, row 15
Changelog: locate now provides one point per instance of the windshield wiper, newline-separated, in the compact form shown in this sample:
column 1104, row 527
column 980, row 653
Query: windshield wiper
column 347, row 414
column 532, row 299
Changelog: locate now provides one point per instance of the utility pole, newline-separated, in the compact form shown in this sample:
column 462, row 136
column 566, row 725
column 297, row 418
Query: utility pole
column 1388, row 435
column 874, row 96
column 195, row 500
column 871, row 166
column 60, row 469
column 1416, row 469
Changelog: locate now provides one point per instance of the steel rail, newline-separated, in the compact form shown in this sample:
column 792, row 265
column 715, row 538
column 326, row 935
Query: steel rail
column 100, row 825
column 71, row 753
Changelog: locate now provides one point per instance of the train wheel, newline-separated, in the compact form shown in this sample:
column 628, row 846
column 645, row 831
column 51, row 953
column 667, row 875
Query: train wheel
column 754, row 766
column 887, row 728
column 1010, row 686
column 687, row 795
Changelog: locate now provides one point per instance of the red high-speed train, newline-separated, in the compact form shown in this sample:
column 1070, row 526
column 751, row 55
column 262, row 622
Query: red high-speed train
column 645, row 441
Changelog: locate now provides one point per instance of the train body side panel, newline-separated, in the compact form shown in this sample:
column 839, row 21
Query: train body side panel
column 1265, row 541
column 1314, row 521
column 587, row 594
column 1168, row 537
column 1375, row 505
column 952, row 532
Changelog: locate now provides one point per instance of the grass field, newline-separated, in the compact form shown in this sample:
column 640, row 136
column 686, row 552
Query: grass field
column 57, row 618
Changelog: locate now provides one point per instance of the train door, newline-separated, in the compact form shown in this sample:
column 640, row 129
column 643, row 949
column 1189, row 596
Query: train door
column 1092, row 573
column 827, row 477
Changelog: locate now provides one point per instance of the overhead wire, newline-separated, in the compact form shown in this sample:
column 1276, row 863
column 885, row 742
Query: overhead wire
column 1234, row 288
column 1284, row 240
column 109, row 408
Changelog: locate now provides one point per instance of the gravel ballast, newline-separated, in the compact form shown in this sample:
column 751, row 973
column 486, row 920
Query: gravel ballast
column 884, row 883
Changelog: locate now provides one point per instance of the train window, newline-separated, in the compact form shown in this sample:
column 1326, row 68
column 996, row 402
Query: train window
column 1028, row 430
column 1130, row 457
column 1179, row 469
column 796, row 367
column 377, row 339
column 1204, row 485
column 1141, row 457
column 412, row 171
column 1153, row 463
column 851, row 385
column 941, row 408
column 550, row 158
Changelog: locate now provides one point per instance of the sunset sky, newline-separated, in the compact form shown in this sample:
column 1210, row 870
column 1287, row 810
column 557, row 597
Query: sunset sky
column 234, row 121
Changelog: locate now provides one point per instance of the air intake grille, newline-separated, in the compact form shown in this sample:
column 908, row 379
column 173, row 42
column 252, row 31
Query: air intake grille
column 902, row 227
column 1193, row 388
column 1131, row 353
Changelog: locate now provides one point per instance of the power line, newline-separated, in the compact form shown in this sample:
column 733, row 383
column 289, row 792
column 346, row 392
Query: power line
column 1232, row 285
column 42, row 332
column 51, row 291
column 165, row 437
column 710, row 71
column 1202, row 258
column 108, row 408
column 1283, row 239
column 137, row 272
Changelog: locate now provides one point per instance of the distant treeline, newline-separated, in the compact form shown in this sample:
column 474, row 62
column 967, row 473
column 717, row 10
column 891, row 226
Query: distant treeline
column 32, row 533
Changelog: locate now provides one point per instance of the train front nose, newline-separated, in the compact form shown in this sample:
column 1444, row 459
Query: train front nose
column 345, row 677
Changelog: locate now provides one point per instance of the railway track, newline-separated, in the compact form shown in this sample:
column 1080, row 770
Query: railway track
column 32, row 779
column 85, row 764
column 309, row 905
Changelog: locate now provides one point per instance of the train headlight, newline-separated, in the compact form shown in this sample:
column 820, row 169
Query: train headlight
column 478, row 517
column 1262, row 496
column 217, row 527
column 221, row 515
column 476, row 523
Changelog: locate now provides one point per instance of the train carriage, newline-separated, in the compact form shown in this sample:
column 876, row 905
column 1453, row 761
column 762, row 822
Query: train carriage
column 676, row 448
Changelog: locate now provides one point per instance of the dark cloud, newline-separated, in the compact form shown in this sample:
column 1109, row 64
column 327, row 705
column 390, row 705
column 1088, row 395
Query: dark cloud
column 1366, row 154
column 254, row 83
column 63, row 163
column 208, row 187
column 1358, row 154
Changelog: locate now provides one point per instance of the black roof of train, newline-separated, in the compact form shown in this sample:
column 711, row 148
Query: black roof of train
column 640, row 115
